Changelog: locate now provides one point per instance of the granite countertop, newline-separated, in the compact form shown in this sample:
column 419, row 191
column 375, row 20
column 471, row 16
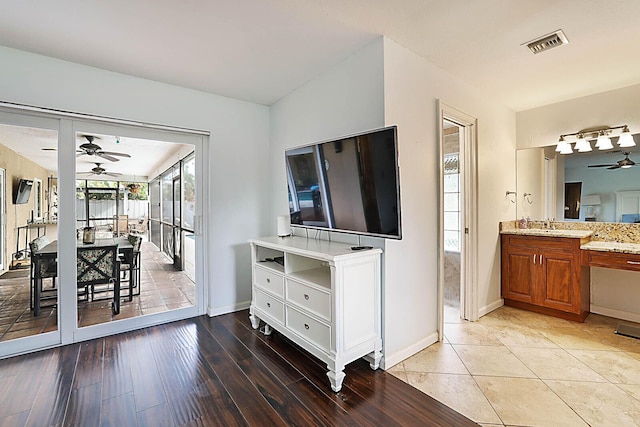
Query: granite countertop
column 572, row 234
column 625, row 248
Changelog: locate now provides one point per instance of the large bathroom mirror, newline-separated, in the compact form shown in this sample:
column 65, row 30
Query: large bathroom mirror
column 609, row 192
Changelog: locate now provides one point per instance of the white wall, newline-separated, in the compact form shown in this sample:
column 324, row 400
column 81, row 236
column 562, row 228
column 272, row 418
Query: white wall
column 412, row 86
column 530, row 180
column 237, row 193
column 346, row 99
column 612, row 291
column 543, row 126
column 384, row 84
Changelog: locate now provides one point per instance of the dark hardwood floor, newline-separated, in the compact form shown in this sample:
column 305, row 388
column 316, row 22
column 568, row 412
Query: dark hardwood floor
column 203, row 372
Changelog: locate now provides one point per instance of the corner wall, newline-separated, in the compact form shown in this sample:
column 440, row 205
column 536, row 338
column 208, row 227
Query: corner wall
column 412, row 87
column 385, row 84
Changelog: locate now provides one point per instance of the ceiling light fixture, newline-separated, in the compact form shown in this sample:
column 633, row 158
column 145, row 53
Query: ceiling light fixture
column 583, row 145
column 563, row 146
column 603, row 142
column 603, row 135
column 626, row 139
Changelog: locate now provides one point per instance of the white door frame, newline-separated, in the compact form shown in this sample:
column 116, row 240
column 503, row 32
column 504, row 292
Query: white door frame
column 3, row 219
column 468, row 214
column 67, row 125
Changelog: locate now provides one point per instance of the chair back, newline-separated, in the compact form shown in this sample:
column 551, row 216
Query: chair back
column 97, row 265
column 132, row 257
column 120, row 224
column 38, row 243
column 47, row 267
column 135, row 242
column 140, row 226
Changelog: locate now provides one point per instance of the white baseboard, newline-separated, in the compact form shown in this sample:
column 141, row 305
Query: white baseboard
column 217, row 311
column 489, row 308
column 618, row 314
column 390, row 360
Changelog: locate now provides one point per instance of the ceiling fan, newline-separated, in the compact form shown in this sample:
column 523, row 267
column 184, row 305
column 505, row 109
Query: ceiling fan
column 624, row 163
column 99, row 170
column 91, row 149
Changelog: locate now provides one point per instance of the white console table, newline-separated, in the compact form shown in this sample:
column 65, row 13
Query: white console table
column 324, row 296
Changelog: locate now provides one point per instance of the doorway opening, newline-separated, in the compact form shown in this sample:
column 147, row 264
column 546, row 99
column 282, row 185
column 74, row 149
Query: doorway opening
column 452, row 193
column 458, row 220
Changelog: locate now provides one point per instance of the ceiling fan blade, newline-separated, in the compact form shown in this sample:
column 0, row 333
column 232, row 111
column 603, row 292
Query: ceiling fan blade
column 113, row 153
column 614, row 167
column 602, row 166
column 108, row 157
column 113, row 174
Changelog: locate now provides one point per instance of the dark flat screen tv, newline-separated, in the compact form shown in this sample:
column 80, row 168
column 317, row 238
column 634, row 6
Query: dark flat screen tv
column 349, row 184
column 23, row 191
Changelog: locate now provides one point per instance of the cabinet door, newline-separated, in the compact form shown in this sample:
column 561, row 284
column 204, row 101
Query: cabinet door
column 518, row 275
column 560, row 290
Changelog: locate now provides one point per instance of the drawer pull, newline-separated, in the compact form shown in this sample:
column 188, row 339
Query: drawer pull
column 306, row 326
column 633, row 262
column 534, row 258
column 306, row 296
column 269, row 304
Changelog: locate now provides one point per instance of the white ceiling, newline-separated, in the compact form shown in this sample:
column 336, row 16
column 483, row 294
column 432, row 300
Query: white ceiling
column 260, row 50
column 146, row 155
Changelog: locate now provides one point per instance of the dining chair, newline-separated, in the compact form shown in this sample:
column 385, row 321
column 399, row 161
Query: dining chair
column 139, row 227
column 41, row 268
column 130, row 263
column 99, row 266
column 120, row 225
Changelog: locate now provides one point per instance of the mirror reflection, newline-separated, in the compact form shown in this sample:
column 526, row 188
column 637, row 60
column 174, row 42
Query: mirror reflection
column 608, row 183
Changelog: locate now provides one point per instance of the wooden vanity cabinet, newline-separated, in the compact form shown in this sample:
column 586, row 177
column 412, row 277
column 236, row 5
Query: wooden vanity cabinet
column 545, row 274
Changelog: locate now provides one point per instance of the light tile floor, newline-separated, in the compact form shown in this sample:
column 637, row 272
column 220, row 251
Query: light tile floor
column 518, row 368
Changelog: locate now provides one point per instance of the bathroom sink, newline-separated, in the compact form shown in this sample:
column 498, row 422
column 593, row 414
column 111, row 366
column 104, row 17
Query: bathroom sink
column 550, row 232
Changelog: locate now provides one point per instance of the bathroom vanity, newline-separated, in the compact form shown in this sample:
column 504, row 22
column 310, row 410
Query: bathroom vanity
column 549, row 271
column 544, row 273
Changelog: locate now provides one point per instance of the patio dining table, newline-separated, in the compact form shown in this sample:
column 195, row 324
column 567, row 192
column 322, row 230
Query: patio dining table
column 50, row 252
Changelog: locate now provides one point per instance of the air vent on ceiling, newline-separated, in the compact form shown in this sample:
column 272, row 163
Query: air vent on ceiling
column 546, row 42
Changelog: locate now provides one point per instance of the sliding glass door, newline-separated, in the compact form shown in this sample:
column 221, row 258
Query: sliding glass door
column 85, row 194
column 28, row 158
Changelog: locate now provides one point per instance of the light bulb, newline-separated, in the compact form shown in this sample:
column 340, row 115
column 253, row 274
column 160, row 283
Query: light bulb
column 604, row 142
column 626, row 139
column 583, row 145
column 564, row 148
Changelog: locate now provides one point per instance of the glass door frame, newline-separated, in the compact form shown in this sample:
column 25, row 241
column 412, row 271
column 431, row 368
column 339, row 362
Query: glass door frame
column 200, row 146
column 46, row 339
column 68, row 125
column 3, row 218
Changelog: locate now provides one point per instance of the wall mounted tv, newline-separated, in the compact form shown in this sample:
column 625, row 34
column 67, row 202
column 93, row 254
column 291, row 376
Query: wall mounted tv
column 349, row 184
column 23, row 191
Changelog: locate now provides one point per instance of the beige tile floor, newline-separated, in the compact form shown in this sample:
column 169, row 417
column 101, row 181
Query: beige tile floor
column 517, row 368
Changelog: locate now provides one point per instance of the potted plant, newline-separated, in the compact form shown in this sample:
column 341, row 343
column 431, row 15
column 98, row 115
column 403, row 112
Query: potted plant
column 134, row 187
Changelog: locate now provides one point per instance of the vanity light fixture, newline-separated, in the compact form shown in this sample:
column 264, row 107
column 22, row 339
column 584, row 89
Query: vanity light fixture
column 603, row 142
column 626, row 139
column 563, row 146
column 583, row 145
